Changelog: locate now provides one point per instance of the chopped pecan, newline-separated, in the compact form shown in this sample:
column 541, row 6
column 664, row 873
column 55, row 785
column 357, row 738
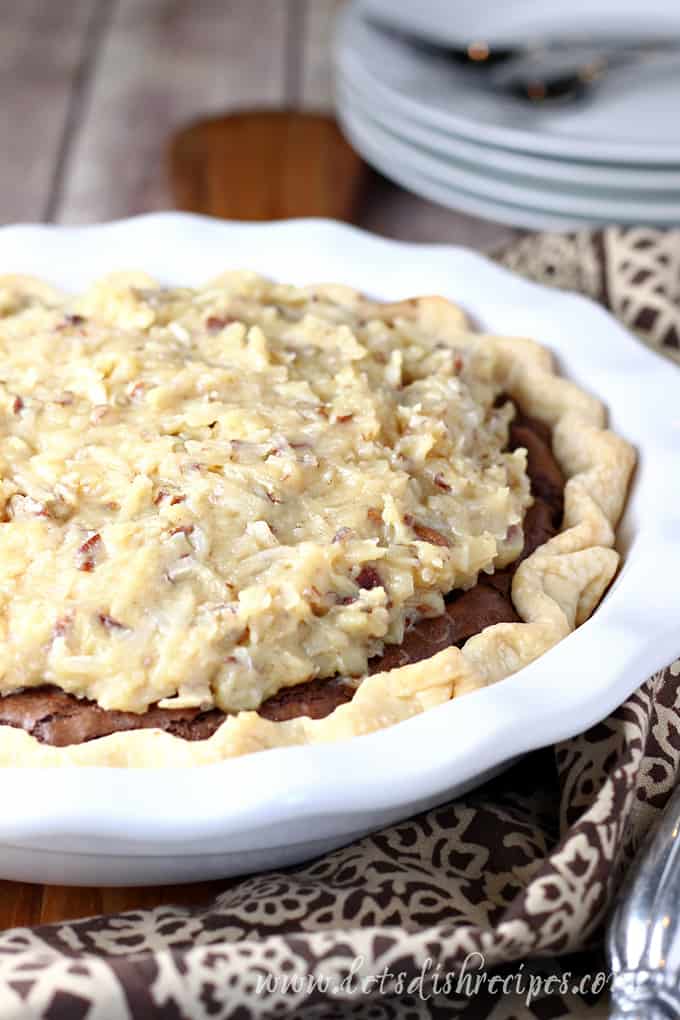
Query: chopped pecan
column 368, row 577
column 342, row 418
column 110, row 623
column 183, row 529
column 441, row 482
column 89, row 551
column 90, row 544
column 425, row 533
column 164, row 494
column 214, row 323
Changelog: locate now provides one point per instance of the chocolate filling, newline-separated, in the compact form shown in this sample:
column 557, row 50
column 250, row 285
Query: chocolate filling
column 57, row 718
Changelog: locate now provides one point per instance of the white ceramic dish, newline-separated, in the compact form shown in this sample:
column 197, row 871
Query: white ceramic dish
column 512, row 22
column 630, row 117
column 607, row 179
column 406, row 169
column 101, row 826
column 540, row 203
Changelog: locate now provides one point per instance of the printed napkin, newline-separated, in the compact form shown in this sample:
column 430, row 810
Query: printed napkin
column 489, row 906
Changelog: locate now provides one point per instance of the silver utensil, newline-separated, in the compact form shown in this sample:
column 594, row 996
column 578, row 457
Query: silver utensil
column 551, row 69
column 548, row 72
column 643, row 939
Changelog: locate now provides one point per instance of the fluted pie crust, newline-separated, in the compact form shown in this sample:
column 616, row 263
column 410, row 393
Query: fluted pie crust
column 553, row 590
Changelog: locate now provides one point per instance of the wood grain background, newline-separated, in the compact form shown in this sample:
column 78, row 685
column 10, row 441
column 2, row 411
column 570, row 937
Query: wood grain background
column 91, row 92
column 92, row 89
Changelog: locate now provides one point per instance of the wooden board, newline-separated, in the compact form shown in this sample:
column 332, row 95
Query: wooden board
column 23, row 904
column 270, row 165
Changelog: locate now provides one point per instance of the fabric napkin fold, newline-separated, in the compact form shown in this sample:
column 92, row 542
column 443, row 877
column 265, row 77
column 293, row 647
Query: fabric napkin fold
column 473, row 909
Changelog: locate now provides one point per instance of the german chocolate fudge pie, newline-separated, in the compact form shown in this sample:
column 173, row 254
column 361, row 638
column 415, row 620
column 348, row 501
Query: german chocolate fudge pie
column 251, row 515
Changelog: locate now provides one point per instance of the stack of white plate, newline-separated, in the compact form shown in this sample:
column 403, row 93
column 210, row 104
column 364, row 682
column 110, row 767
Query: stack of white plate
column 441, row 132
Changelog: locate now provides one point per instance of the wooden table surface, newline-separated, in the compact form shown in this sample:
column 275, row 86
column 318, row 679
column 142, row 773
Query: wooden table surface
column 92, row 90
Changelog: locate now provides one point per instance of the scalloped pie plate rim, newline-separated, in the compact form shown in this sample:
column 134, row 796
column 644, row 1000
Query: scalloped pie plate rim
column 274, row 808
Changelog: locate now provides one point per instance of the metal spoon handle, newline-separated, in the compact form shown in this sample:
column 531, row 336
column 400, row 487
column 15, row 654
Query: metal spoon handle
column 643, row 940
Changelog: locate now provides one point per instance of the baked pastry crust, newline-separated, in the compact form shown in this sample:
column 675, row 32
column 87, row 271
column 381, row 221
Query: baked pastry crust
column 554, row 589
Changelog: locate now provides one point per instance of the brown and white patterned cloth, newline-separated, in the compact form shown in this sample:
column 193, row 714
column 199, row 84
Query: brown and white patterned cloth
column 515, row 878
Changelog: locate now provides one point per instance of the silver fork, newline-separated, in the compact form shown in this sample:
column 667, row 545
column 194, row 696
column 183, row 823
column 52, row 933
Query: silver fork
column 561, row 68
column 569, row 69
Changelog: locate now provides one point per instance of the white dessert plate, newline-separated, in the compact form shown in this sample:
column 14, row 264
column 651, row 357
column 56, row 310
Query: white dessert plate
column 407, row 170
column 511, row 22
column 630, row 116
column 610, row 179
column 534, row 197
column 104, row 826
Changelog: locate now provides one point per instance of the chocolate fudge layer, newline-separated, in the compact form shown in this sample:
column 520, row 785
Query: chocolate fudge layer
column 57, row 718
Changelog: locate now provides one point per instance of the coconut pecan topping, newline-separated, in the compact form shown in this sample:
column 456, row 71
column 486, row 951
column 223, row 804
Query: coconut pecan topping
column 242, row 441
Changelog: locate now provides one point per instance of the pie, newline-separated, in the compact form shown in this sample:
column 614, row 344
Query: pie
column 251, row 515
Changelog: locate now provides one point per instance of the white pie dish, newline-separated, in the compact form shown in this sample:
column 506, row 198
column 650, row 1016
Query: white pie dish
column 99, row 826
